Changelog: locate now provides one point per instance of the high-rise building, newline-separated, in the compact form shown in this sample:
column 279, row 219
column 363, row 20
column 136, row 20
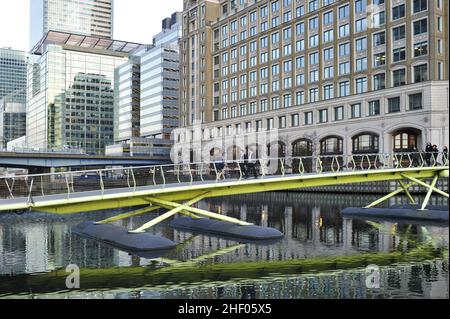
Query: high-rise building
column 13, row 83
column 147, row 96
column 71, row 91
column 13, row 75
column 84, row 17
column 332, row 77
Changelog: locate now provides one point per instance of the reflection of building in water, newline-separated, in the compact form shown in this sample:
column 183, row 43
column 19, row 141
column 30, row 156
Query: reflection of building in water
column 36, row 242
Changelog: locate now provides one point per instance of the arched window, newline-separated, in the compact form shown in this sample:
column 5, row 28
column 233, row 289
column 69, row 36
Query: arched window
column 366, row 143
column 302, row 147
column 406, row 141
column 332, row 145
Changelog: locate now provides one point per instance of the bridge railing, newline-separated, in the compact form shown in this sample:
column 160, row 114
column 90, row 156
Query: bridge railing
column 162, row 176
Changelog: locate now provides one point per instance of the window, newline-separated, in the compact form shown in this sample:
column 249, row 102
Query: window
column 308, row 118
column 344, row 88
column 374, row 108
column 379, row 81
column 399, row 77
column 344, row 49
column 379, row 38
column 398, row 33
column 344, row 12
column 361, row 85
column 328, row 92
column 420, row 73
column 379, row 59
column 295, row 120
column 323, row 116
column 366, row 143
column 394, row 105
column 332, row 145
column 405, row 141
column 344, row 30
column 328, row 17
column 398, row 12
column 314, row 23
column 420, row 26
column 328, row 54
column 282, row 122
column 339, row 113
column 361, row 64
column 344, row 68
column 419, row 5
column 361, row 44
column 313, row 95
column 415, row 102
column 420, row 49
column 378, row 19
column 355, row 111
column 328, row 72
column 360, row 6
column 300, row 98
column 399, row 54
column 360, row 25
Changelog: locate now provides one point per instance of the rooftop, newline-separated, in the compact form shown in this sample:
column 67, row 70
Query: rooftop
column 85, row 42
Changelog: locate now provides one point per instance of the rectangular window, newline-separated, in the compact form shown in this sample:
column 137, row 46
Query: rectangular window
column 379, row 81
column 398, row 12
column 399, row 77
column 394, row 105
column 356, row 111
column 415, row 102
column 399, row 54
column 323, row 116
column 309, row 118
column 420, row 73
column 398, row 33
column 339, row 113
column 421, row 49
column 379, row 38
column 374, row 108
column 420, row 26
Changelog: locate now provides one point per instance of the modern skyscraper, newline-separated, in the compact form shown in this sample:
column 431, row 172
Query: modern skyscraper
column 147, row 97
column 84, row 17
column 13, row 83
column 71, row 91
column 13, row 75
column 332, row 77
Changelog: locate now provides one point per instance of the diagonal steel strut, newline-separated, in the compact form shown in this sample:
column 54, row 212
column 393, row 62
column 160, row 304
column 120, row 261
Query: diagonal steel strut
column 169, row 214
column 198, row 211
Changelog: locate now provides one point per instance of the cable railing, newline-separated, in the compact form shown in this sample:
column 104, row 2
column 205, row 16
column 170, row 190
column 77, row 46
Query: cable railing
column 162, row 176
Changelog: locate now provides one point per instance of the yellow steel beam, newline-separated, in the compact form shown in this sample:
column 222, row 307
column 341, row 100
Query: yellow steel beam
column 128, row 215
column 390, row 195
column 408, row 194
column 200, row 212
column 167, row 215
column 430, row 191
column 433, row 188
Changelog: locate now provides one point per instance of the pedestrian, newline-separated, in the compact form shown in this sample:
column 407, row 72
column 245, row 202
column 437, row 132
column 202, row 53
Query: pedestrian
column 445, row 156
column 435, row 152
column 415, row 156
column 243, row 164
column 220, row 167
column 428, row 151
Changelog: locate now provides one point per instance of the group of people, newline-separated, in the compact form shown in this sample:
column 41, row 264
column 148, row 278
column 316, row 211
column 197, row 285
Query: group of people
column 247, row 165
column 432, row 154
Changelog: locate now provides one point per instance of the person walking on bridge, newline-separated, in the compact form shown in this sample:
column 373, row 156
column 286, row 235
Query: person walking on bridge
column 445, row 156
column 428, row 151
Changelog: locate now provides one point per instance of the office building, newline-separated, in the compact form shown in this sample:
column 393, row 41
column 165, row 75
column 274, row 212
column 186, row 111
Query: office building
column 13, row 75
column 147, row 96
column 84, row 17
column 332, row 77
column 71, row 91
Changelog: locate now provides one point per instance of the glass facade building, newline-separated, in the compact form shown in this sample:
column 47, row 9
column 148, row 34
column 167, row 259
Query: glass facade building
column 13, row 75
column 148, row 87
column 12, row 122
column 85, row 17
column 71, row 92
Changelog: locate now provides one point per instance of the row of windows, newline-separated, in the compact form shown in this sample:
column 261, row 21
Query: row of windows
column 328, row 91
column 393, row 105
column 343, row 13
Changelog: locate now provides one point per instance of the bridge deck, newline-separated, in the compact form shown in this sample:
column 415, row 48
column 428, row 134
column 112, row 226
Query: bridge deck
column 126, row 196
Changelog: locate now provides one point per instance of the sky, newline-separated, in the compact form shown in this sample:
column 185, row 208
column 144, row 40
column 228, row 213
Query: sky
column 134, row 20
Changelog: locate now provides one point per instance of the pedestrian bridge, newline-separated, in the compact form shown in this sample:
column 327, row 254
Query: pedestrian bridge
column 178, row 187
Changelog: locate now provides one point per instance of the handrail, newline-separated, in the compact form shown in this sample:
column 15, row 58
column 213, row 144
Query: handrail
column 133, row 177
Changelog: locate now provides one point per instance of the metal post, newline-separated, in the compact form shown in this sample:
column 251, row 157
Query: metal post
column 415, row 180
column 411, row 199
column 385, row 198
